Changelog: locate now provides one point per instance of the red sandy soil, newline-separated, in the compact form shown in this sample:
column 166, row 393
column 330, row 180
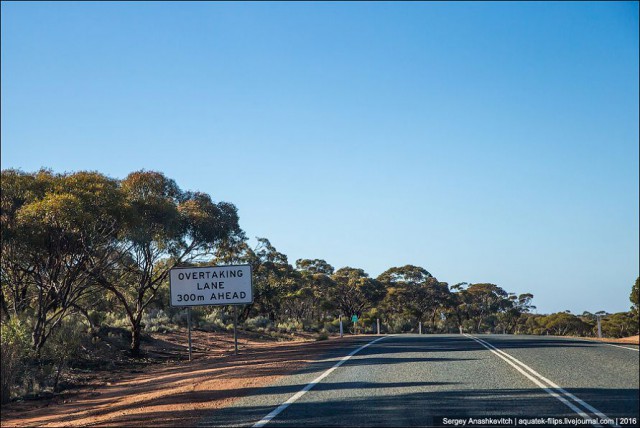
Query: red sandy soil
column 175, row 393
column 632, row 340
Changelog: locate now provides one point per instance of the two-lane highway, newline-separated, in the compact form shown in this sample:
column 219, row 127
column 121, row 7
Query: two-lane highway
column 412, row 380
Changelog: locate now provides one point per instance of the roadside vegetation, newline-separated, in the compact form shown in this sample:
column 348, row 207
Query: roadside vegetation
column 85, row 263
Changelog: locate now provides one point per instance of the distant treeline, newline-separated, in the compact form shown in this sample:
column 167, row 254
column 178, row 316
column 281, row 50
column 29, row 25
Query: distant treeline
column 82, row 253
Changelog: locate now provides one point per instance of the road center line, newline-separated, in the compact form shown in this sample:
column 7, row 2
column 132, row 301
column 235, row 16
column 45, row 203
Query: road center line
column 262, row 422
column 550, row 383
column 511, row 360
column 534, row 380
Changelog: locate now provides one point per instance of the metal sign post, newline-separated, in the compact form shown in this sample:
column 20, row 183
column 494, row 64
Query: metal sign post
column 211, row 286
column 354, row 319
column 189, row 328
column 235, row 329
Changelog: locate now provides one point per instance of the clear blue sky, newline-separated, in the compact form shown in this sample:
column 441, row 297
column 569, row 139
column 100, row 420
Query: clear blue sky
column 486, row 142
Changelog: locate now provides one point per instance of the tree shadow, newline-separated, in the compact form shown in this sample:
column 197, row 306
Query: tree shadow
column 429, row 408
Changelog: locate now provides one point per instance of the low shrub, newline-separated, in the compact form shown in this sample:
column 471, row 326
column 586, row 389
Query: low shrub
column 322, row 336
column 259, row 322
column 157, row 321
column 290, row 326
column 15, row 351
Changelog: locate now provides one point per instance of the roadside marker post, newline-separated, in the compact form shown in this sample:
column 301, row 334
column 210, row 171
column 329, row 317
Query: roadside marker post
column 599, row 316
column 340, row 325
column 189, row 328
column 420, row 327
column 378, row 323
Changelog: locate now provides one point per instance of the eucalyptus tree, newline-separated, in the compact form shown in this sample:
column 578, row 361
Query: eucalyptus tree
column 564, row 323
column 312, row 295
column 511, row 314
column 355, row 291
column 458, row 304
column 54, row 230
column 414, row 290
column 621, row 324
column 273, row 277
column 164, row 228
column 17, row 189
column 485, row 301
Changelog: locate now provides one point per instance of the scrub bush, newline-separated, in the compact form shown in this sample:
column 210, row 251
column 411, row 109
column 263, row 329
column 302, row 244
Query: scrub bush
column 15, row 351
column 156, row 320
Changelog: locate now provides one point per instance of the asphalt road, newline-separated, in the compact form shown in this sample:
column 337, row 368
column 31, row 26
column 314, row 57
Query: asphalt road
column 432, row 380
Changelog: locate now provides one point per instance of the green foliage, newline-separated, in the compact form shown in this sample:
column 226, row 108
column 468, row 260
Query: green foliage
column 482, row 301
column 332, row 326
column 15, row 351
column 315, row 266
column 355, row 291
column 55, row 229
column 402, row 325
column 165, row 227
column 256, row 323
column 564, row 323
column 290, row 326
column 157, row 321
column 622, row 324
column 413, row 290
column 63, row 346
column 322, row 336
column 214, row 318
column 633, row 297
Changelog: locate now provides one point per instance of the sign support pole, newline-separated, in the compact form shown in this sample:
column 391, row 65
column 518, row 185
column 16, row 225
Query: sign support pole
column 189, row 328
column 420, row 327
column 235, row 329
column 340, row 325
column 378, row 323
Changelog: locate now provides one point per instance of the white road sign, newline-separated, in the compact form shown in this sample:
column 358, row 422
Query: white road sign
column 211, row 285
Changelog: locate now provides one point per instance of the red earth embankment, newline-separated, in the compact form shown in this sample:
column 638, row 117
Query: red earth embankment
column 177, row 393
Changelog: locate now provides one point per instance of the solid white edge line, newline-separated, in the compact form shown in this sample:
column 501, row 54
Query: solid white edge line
column 604, row 343
column 536, row 381
column 535, row 373
column 623, row 347
column 262, row 422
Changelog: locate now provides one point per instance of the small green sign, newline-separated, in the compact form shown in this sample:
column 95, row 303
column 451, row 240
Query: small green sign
column 354, row 318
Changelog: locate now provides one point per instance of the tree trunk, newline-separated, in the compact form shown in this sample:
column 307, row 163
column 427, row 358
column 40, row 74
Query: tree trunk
column 135, row 339
column 38, row 338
